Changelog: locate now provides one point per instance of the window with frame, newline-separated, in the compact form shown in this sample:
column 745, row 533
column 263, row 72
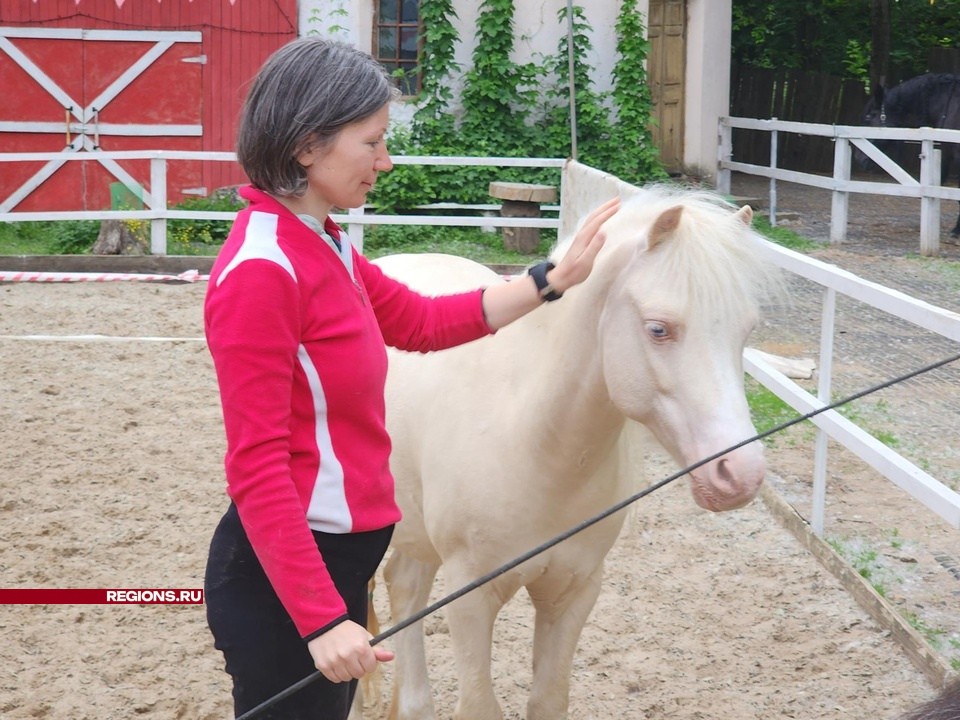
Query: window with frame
column 396, row 28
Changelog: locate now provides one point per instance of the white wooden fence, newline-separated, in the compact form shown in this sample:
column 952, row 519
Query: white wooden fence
column 830, row 424
column 928, row 188
column 582, row 188
column 155, row 195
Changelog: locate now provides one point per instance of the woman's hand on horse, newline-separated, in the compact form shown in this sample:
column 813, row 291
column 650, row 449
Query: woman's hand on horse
column 578, row 260
column 344, row 652
column 504, row 303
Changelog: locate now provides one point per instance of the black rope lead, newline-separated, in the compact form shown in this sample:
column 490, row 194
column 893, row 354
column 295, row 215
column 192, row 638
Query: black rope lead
column 493, row 574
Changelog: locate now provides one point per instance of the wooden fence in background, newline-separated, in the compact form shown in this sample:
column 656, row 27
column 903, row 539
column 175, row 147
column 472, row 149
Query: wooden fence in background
column 797, row 96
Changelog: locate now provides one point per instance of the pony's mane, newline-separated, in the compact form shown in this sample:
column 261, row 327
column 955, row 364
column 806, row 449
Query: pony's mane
column 712, row 259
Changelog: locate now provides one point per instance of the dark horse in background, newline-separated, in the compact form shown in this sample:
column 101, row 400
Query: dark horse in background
column 931, row 100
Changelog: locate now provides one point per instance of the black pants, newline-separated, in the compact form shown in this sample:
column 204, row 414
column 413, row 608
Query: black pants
column 263, row 651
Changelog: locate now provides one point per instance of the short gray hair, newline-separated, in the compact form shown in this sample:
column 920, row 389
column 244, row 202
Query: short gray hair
column 304, row 94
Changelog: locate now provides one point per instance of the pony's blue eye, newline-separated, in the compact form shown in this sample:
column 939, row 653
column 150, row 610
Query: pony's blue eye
column 658, row 331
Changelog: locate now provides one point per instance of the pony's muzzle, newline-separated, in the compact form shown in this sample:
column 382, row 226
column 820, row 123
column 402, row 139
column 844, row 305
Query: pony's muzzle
column 730, row 481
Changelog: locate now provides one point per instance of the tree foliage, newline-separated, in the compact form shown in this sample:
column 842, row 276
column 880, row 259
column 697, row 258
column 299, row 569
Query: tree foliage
column 836, row 36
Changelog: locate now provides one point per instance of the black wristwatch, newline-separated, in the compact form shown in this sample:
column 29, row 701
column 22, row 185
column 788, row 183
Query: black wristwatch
column 539, row 274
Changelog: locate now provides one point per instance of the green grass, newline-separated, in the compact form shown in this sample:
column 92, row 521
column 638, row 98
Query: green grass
column 868, row 561
column 46, row 238
column 768, row 411
column 76, row 237
column 204, row 238
column 949, row 270
column 783, row 236
column 872, row 419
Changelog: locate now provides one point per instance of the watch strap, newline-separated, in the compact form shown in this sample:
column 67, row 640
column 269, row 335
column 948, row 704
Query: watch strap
column 544, row 288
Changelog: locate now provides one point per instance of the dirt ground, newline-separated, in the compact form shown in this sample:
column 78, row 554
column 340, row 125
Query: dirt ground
column 112, row 478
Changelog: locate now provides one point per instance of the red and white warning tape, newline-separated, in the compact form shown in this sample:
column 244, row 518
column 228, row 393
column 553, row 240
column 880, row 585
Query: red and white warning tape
column 101, row 338
column 187, row 276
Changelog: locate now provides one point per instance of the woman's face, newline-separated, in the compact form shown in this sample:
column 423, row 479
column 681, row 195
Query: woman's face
column 341, row 173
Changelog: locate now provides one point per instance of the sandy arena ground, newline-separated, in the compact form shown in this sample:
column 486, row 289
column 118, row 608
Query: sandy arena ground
column 112, row 478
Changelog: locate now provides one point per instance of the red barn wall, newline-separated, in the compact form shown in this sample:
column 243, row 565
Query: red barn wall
column 236, row 38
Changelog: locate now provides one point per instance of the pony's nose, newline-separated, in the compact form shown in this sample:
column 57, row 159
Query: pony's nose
column 731, row 481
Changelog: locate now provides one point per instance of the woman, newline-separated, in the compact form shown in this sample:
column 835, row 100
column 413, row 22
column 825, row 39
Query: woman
column 297, row 321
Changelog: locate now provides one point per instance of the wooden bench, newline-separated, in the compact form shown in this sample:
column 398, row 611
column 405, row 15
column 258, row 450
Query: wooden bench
column 522, row 200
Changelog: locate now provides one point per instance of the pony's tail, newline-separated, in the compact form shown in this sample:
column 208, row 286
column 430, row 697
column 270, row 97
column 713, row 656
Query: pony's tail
column 368, row 694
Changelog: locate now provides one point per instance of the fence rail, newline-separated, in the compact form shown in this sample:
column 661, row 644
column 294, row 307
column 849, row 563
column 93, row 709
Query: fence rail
column 831, row 425
column 928, row 188
column 158, row 214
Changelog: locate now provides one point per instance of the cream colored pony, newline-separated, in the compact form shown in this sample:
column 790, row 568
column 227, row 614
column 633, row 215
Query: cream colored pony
column 506, row 442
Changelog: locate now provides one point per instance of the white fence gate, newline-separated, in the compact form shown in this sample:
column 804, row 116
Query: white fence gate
column 928, row 187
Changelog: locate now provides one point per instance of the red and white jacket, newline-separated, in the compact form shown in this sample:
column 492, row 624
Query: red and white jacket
column 298, row 336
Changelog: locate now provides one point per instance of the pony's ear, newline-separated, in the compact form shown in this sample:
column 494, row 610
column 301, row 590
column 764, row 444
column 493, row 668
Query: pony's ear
column 664, row 225
column 745, row 215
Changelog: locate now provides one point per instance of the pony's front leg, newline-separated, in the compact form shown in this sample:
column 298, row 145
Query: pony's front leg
column 471, row 620
column 409, row 582
column 560, row 617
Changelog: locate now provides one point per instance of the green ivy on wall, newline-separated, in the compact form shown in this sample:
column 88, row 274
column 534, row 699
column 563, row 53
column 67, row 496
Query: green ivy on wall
column 634, row 155
column 434, row 121
column 499, row 95
column 519, row 109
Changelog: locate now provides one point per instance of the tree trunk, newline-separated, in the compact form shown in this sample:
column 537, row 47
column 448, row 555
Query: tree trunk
column 880, row 45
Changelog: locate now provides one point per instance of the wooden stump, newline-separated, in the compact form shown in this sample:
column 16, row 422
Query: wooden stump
column 116, row 238
column 522, row 200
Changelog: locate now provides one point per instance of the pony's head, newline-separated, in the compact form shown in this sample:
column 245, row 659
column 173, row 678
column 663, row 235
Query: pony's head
column 875, row 111
column 681, row 279
column 875, row 114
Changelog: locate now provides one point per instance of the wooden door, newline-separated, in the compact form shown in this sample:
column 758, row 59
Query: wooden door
column 666, row 68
